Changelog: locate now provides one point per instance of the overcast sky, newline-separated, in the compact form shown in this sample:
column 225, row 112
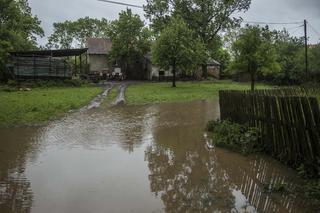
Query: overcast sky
column 50, row 11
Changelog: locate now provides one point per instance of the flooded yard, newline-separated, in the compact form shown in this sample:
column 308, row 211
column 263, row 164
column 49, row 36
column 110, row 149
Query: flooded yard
column 150, row 158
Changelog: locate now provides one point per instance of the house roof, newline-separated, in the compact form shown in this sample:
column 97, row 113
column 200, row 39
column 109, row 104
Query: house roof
column 53, row 53
column 212, row 62
column 99, row 46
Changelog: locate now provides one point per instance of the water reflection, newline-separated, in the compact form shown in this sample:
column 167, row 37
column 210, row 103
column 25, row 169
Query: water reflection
column 15, row 189
column 190, row 178
column 135, row 159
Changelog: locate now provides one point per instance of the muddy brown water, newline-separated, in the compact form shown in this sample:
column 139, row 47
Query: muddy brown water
column 149, row 158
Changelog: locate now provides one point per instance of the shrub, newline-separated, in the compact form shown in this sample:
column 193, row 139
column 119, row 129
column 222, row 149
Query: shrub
column 235, row 137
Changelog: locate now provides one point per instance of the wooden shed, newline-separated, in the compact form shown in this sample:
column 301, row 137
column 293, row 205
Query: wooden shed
column 49, row 63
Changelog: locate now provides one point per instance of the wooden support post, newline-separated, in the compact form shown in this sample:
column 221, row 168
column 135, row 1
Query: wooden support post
column 80, row 63
column 306, row 49
column 75, row 65
column 18, row 65
column 50, row 66
column 34, row 67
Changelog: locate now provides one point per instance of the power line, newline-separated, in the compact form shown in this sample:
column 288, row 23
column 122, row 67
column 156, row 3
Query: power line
column 271, row 23
column 313, row 29
column 122, row 3
column 292, row 28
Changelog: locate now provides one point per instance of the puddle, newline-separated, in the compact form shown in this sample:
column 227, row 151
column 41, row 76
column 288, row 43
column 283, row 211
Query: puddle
column 151, row 158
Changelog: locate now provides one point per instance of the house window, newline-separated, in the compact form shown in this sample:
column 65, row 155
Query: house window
column 161, row 73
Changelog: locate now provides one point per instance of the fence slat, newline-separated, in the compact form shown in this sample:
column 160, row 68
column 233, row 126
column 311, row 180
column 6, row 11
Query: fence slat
column 288, row 119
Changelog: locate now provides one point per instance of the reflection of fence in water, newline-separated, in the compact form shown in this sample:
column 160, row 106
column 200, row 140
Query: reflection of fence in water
column 254, row 182
column 289, row 121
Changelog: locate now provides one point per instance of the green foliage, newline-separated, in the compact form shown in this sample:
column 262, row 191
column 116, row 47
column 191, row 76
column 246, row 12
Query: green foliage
column 289, row 50
column 206, row 18
column 314, row 56
column 18, row 30
column 177, row 49
column 131, row 40
column 41, row 104
column 254, row 52
column 312, row 189
column 74, row 34
column 235, row 137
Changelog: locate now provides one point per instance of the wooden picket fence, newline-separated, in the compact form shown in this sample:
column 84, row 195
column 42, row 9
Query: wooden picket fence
column 288, row 119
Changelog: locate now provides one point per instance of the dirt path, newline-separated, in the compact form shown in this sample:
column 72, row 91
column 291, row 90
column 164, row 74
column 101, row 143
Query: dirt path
column 121, row 96
column 96, row 102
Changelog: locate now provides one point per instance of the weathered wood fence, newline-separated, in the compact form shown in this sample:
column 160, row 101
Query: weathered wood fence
column 288, row 119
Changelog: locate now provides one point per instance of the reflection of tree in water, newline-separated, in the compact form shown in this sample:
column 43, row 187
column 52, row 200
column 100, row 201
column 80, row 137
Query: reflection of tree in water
column 132, row 125
column 187, row 181
column 15, row 191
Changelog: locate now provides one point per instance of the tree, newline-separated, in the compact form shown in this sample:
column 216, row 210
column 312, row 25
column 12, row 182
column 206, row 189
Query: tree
column 176, row 48
column 314, row 56
column 254, row 52
column 18, row 30
column 289, row 51
column 131, row 40
column 74, row 34
column 205, row 17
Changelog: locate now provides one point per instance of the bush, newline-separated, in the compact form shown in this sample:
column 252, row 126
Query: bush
column 58, row 83
column 235, row 137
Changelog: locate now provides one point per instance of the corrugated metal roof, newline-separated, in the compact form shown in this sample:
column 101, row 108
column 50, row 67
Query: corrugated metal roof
column 99, row 46
column 53, row 53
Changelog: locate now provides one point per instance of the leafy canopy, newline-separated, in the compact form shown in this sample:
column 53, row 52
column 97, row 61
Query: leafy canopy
column 206, row 18
column 74, row 34
column 18, row 29
column 177, row 48
column 254, row 52
column 131, row 40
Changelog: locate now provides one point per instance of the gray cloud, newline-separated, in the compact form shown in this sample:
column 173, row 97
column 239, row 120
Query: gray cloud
column 50, row 11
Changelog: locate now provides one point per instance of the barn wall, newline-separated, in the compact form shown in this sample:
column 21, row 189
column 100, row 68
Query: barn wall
column 98, row 63
column 214, row 71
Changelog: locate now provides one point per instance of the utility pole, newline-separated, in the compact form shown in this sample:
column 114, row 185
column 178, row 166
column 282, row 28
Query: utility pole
column 306, row 49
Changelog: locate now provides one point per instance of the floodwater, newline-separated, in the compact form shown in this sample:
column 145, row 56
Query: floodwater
column 149, row 158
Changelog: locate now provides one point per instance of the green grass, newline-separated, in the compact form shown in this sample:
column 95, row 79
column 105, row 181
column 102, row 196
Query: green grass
column 112, row 95
column 185, row 91
column 42, row 104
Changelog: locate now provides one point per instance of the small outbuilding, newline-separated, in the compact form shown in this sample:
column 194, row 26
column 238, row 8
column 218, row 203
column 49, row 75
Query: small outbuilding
column 214, row 68
column 48, row 63
column 98, row 49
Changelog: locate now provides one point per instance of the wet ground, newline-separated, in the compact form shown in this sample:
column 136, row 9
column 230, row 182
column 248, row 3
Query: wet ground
column 135, row 159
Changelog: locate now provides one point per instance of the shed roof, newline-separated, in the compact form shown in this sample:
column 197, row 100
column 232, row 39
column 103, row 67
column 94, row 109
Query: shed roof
column 53, row 53
column 212, row 62
column 99, row 46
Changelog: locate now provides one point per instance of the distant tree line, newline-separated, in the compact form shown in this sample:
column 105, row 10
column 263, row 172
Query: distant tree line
column 274, row 56
column 182, row 36
column 74, row 34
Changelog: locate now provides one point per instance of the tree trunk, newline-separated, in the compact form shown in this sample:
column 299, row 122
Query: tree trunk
column 252, row 81
column 174, row 75
column 204, row 71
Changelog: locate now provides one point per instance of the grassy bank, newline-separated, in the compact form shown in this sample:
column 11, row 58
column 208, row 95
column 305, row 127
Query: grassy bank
column 185, row 91
column 41, row 104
